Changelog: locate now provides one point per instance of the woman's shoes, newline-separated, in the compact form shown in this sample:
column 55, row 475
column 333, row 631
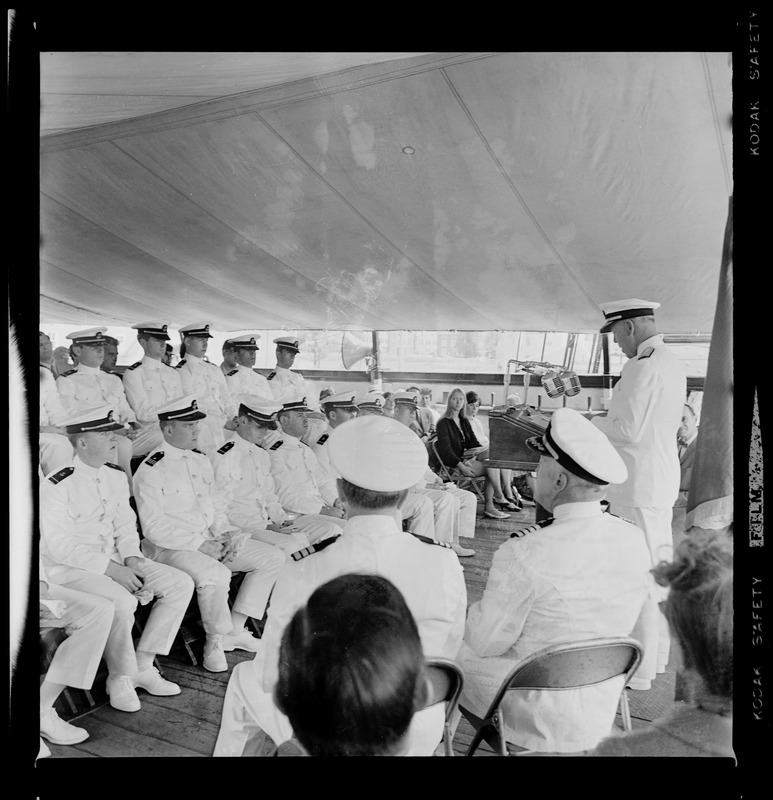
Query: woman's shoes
column 509, row 505
column 496, row 515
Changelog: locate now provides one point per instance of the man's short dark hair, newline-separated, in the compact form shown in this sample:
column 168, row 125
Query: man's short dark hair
column 369, row 498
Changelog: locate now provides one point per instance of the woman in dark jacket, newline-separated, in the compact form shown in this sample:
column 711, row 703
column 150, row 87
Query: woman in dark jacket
column 460, row 451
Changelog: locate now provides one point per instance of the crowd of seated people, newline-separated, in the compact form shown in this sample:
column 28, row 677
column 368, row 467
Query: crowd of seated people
column 160, row 484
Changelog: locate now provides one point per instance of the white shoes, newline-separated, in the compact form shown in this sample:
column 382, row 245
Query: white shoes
column 151, row 681
column 214, row 657
column 120, row 690
column 243, row 640
column 462, row 552
column 57, row 731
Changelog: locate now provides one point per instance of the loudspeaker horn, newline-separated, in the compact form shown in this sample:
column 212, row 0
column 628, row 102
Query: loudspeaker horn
column 354, row 349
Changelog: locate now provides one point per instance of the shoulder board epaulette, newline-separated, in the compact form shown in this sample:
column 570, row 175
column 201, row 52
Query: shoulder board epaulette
column 69, row 372
column 225, row 448
column 154, row 459
column 62, row 474
column 315, row 548
column 625, row 519
column 276, row 445
column 113, row 466
column 198, row 451
column 134, row 366
column 232, row 372
column 647, row 353
column 271, row 376
column 428, row 540
column 112, row 372
column 322, row 439
column 179, row 364
column 531, row 528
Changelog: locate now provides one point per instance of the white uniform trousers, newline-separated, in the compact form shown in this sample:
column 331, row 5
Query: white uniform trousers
column 212, row 579
column 173, row 590
column 468, row 508
column 420, row 513
column 446, row 510
column 651, row 628
column 306, row 530
column 247, row 710
column 55, row 451
column 87, row 621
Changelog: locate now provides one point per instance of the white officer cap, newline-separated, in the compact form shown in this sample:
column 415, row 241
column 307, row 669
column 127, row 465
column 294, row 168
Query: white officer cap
column 340, row 400
column 248, row 341
column 616, row 310
column 90, row 336
column 371, row 401
column 94, row 418
column 196, row 329
column 580, row 447
column 288, row 342
column 180, row 409
column 377, row 453
column 155, row 329
column 514, row 400
column 296, row 405
column 406, row 399
column 263, row 409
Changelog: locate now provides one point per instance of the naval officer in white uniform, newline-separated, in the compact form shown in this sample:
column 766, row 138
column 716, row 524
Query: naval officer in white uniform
column 645, row 413
column 185, row 525
column 89, row 542
column 581, row 574
column 149, row 384
column 378, row 460
column 54, row 447
column 242, row 378
column 286, row 384
column 206, row 382
column 243, row 475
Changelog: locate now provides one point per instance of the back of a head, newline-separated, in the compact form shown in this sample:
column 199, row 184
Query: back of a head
column 351, row 669
column 699, row 608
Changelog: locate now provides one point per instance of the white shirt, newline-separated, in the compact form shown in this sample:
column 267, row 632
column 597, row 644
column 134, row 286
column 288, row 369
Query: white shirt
column 243, row 477
column 428, row 575
column 644, row 415
column 319, row 448
column 85, row 519
column 177, row 500
column 85, row 386
column 302, row 485
column 244, row 380
column 51, row 410
column 206, row 382
column 584, row 576
column 477, row 429
column 288, row 386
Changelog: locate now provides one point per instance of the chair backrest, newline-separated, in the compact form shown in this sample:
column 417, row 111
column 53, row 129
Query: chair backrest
column 442, row 469
column 573, row 665
column 447, row 680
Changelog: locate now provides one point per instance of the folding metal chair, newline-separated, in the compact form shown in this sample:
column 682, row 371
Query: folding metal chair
column 572, row 665
column 462, row 481
column 447, row 680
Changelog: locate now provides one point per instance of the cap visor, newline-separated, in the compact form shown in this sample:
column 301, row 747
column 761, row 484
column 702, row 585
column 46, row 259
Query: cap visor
column 189, row 417
column 607, row 326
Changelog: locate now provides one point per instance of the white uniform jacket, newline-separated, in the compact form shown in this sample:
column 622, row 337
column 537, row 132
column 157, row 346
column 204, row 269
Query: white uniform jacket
column 586, row 575
column 244, row 380
column 429, row 576
column 243, row 477
column 86, row 520
column 319, row 448
column 644, row 415
column 206, row 382
column 51, row 410
column 150, row 384
column 177, row 500
column 90, row 386
column 303, row 487
column 287, row 386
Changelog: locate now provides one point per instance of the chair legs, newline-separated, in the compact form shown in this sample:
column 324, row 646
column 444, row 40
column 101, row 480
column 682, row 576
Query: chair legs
column 625, row 710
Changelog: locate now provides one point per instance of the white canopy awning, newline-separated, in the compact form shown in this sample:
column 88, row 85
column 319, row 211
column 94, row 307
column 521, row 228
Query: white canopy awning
column 510, row 191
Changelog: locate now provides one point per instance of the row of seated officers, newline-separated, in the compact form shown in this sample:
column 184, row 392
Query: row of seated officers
column 257, row 494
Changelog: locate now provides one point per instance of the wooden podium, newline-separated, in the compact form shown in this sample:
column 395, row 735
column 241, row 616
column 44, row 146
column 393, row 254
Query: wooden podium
column 509, row 428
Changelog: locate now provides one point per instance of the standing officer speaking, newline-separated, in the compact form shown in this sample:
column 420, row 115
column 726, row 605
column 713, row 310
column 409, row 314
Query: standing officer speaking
column 644, row 415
